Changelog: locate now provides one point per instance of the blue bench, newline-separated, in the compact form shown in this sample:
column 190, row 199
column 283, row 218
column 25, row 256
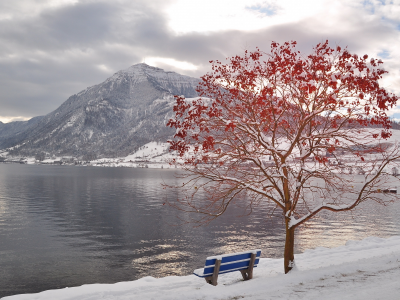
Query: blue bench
column 242, row 261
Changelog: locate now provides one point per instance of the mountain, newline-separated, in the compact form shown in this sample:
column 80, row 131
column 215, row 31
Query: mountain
column 15, row 132
column 113, row 118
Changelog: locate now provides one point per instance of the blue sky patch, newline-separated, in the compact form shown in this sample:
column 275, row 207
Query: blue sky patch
column 395, row 116
column 384, row 54
column 266, row 10
column 369, row 6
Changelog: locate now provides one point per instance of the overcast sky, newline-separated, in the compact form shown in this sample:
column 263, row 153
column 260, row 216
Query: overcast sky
column 52, row 49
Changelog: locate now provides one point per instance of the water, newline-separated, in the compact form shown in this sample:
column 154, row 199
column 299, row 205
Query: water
column 67, row 226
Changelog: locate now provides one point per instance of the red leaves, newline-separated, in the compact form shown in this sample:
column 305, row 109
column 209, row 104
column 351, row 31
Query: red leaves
column 331, row 149
column 385, row 134
column 230, row 126
column 321, row 159
column 208, row 143
column 279, row 94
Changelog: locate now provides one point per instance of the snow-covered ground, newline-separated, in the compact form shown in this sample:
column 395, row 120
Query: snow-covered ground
column 367, row 269
column 150, row 155
column 153, row 155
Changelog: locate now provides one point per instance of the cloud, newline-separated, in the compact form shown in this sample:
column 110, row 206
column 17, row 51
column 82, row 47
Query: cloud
column 183, row 65
column 12, row 119
column 53, row 49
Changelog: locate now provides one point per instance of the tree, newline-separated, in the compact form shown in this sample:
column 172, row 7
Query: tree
column 290, row 129
column 40, row 156
column 89, row 156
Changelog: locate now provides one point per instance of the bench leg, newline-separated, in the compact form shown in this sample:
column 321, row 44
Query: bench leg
column 214, row 277
column 248, row 273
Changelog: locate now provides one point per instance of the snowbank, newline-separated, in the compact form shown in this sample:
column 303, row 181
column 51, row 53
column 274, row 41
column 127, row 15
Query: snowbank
column 367, row 269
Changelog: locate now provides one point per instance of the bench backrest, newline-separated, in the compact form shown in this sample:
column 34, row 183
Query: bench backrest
column 231, row 262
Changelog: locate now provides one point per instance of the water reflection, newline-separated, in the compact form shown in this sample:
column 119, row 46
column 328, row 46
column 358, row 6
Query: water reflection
column 331, row 229
column 66, row 226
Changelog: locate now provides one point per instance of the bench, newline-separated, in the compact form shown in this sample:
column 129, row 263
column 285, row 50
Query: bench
column 242, row 261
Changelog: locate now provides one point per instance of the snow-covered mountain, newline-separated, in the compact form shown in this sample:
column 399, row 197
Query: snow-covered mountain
column 14, row 132
column 110, row 119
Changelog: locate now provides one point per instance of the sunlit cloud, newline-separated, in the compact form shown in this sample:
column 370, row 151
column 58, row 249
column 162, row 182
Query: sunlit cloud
column 104, row 68
column 56, row 3
column 209, row 16
column 183, row 65
column 12, row 119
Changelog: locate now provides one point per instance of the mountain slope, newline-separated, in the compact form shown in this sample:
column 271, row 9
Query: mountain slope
column 110, row 119
column 14, row 132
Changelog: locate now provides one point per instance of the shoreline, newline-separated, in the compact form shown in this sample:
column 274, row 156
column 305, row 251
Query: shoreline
column 365, row 269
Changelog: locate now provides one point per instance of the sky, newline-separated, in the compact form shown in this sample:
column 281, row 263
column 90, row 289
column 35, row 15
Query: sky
column 52, row 49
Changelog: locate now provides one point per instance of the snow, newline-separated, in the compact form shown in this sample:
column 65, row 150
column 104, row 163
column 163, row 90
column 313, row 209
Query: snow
column 153, row 152
column 367, row 269
column 157, row 155
column 139, row 72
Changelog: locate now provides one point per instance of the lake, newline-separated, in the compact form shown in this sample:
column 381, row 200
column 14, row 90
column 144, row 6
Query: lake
column 66, row 226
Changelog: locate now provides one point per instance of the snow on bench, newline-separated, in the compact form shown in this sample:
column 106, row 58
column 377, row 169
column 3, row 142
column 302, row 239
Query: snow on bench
column 241, row 261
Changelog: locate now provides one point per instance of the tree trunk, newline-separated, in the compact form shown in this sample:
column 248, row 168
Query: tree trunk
column 289, row 248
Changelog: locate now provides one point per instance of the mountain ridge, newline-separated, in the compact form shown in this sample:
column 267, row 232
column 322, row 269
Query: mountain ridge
column 110, row 119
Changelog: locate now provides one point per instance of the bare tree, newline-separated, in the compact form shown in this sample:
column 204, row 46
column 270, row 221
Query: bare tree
column 40, row 156
column 288, row 129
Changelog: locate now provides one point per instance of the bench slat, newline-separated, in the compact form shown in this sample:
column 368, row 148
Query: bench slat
column 229, row 263
column 229, row 268
column 231, row 257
